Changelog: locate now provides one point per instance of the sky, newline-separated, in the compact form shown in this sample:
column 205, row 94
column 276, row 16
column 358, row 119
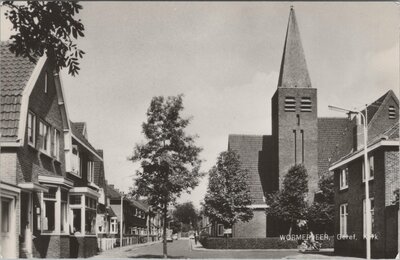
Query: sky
column 225, row 58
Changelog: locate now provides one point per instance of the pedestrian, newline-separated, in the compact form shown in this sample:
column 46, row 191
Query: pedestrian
column 196, row 237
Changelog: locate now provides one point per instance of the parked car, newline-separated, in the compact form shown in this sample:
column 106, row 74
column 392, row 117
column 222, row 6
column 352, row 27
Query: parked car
column 191, row 236
column 175, row 236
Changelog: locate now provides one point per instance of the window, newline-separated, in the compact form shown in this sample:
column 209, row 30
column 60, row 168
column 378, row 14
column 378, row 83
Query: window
column 90, row 215
column 77, row 214
column 371, row 168
column 344, row 175
column 343, row 219
column 305, row 104
column 90, row 171
column 44, row 133
column 392, row 112
column 5, row 215
column 45, row 82
column 220, row 230
column 56, row 144
column 49, row 200
column 76, row 162
column 31, row 128
column 64, row 211
column 290, row 104
column 113, row 225
column 365, row 216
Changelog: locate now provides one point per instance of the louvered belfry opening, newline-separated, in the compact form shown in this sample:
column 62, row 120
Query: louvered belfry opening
column 306, row 105
column 290, row 104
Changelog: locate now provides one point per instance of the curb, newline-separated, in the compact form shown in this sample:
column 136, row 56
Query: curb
column 253, row 250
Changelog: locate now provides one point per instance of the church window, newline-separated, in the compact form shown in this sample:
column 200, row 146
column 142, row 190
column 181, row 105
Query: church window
column 290, row 104
column 305, row 104
column 392, row 112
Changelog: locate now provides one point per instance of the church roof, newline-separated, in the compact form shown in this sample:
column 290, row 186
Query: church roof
column 293, row 72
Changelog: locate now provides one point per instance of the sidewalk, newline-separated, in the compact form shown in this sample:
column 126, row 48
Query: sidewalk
column 118, row 251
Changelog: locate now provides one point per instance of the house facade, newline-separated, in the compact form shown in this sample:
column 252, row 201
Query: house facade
column 48, row 194
column 349, row 179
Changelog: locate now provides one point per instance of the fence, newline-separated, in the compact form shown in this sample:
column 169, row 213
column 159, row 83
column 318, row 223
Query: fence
column 110, row 243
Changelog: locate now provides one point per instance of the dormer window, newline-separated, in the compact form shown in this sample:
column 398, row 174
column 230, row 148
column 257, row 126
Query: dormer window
column 305, row 104
column 392, row 112
column 290, row 104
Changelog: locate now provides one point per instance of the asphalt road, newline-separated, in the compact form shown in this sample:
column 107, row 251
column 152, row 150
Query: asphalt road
column 184, row 249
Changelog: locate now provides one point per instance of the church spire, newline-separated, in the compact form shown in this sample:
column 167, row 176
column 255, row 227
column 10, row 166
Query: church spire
column 293, row 73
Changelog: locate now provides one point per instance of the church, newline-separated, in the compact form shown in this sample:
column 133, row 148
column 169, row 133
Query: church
column 298, row 136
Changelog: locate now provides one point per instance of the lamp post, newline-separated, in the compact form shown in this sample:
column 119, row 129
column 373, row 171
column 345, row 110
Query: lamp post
column 122, row 217
column 366, row 170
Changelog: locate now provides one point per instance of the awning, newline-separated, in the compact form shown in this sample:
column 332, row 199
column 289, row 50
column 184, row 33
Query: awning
column 30, row 186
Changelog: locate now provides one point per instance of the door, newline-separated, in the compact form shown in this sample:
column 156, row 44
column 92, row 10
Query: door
column 8, row 228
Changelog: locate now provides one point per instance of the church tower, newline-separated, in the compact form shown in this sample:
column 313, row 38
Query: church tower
column 294, row 112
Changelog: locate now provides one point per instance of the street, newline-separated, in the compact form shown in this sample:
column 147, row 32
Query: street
column 185, row 248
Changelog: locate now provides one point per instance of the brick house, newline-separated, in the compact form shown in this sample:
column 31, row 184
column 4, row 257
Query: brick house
column 46, row 166
column 134, row 220
column 349, row 179
column 298, row 136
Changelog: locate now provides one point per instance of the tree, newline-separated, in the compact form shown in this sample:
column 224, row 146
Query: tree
column 169, row 158
column 228, row 197
column 290, row 203
column 185, row 213
column 46, row 27
column 322, row 211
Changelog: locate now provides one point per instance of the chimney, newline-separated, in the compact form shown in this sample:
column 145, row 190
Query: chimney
column 112, row 186
column 358, row 140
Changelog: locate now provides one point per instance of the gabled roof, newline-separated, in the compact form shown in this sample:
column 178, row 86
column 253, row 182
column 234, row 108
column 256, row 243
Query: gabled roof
column 374, row 107
column 15, row 73
column 112, row 193
column 249, row 147
column 79, row 137
column 389, row 137
column 293, row 72
column 80, row 126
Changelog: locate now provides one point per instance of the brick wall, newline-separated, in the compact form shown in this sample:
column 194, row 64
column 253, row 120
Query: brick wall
column 283, row 125
column 256, row 227
column 51, row 246
column 392, row 180
column 8, row 164
column 354, row 196
column 83, row 247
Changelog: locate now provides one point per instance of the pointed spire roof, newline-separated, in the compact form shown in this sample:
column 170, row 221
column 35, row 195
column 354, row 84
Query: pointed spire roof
column 293, row 71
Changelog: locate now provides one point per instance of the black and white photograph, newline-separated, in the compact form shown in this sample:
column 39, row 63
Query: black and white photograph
column 199, row 129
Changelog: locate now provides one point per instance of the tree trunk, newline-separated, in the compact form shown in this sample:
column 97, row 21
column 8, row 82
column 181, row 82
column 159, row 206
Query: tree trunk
column 291, row 227
column 165, row 211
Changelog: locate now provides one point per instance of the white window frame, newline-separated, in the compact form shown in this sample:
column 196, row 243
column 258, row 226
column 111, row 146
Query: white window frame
column 218, row 230
column 31, row 128
column 90, row 171
column 113, row 225
column 343, row 215
column 56, row 140
column 44, row 128
column 371, row 168
column 344, row 178
column 372, row 210
column 76, row 164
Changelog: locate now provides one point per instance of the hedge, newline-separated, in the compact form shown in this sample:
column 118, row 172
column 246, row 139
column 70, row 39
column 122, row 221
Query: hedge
column 255, row 243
